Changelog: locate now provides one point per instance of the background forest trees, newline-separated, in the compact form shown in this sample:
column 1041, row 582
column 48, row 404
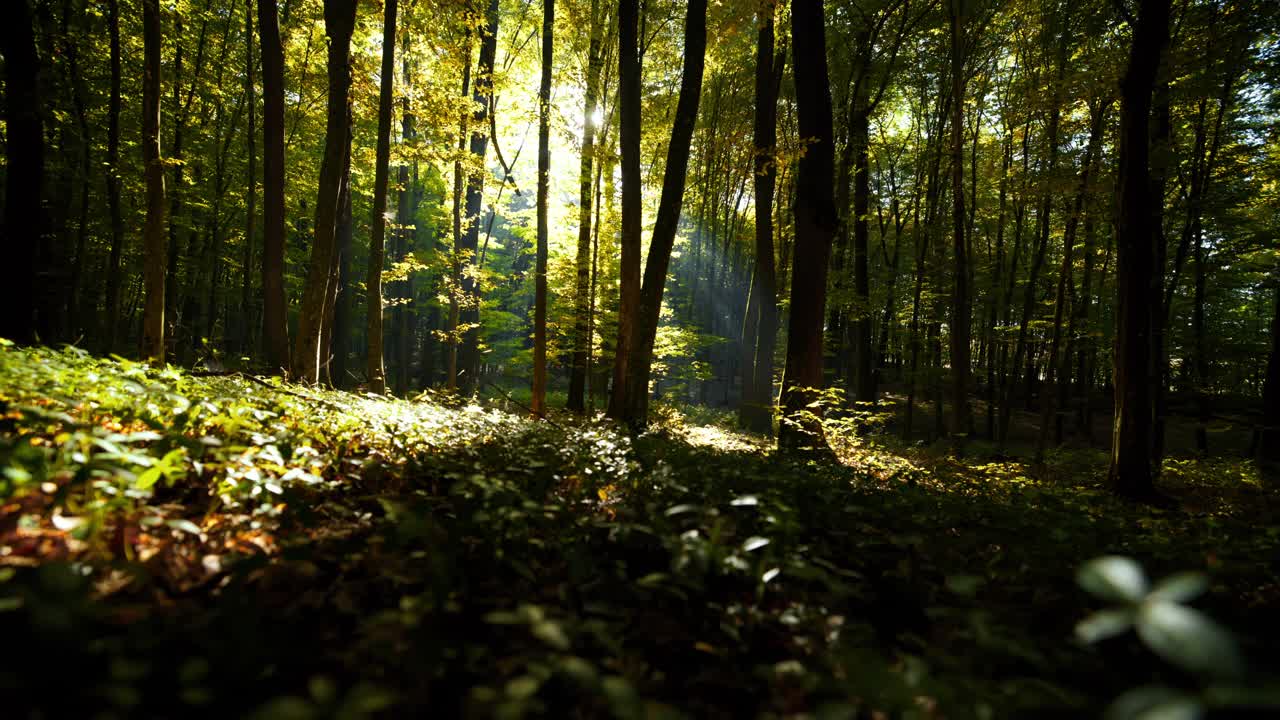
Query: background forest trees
column 982, row 224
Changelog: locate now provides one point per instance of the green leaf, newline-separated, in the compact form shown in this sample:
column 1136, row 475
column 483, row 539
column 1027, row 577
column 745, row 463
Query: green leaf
column 1180, row 588
column 1104, row 624
column 754, row 543
column 1152, row 702
column 1189, row 639
column 148, row 478
column 1115, row 578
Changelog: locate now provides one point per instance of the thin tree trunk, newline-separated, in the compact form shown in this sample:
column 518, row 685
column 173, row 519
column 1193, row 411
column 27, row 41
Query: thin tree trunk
column 111, row 318
column 374, row 367
column 154, row 246
column 251, row 191
column 339, row 16
column 960, row 311
column 539, row 402
column 275, row 309
column 635, row 400
column 629, row 78
column 469, row 313
column 581, row 339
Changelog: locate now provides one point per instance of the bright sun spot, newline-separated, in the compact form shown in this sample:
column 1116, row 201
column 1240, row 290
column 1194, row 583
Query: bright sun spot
column 597, row 117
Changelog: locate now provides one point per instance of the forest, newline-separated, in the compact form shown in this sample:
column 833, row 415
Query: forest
column 640, row 359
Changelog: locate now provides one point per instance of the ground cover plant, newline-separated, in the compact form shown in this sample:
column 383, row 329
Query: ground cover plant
column 174, row 544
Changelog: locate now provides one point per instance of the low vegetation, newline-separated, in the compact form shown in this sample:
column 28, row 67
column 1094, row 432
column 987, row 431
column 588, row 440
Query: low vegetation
column 175, row 544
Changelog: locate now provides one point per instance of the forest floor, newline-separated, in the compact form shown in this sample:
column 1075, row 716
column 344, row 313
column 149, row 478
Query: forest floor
column 174, row 545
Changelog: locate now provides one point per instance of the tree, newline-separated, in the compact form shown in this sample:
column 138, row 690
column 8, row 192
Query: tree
column 633, row 405
column 339, row 21
column 756, row 412
column 1130, row 474
column 544, row 181
column 111, row 316
column 373, row 280
column 815, row 224
column 275, row 319
column 469, row 315
column 629, row 238
column 153, row 236
column 581, row 292
column 962, row 421
column 24, row 153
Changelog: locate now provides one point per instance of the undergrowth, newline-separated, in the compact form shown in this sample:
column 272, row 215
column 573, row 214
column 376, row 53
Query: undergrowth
column 177, row 545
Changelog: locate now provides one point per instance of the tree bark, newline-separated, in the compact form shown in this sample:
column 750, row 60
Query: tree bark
column 154, row 245
column 275, row 309
column 635, row 402
column 539, row 401
column 1130, row 473
column 339, row 20
column 629, row 238
column 962, row 420
column 24, row 152
column 581, row 337
column 756, row 413
column 374, row 367
column 469, row 313
column 815, row 225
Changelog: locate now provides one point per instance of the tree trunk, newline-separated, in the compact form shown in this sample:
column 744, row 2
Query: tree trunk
column 635, row 398
column 960, row 310
column 815, row 224
column 469, row 314
column 629, row 239
column 539, row 401
column 251, row 191
column 154, row 245
column 756, row 413
column 24, row 152
column 374, row 366
column 581, row 339
column 1130, row 474
column 344, row 300
column 275, row 308
column 339, row 20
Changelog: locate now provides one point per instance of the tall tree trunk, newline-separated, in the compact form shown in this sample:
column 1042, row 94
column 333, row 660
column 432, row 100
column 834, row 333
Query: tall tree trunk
column 24, row 153
column 1131, row 471
column 581, row 338
column 339, row 20
column 962, row 420
column 251, row 191
column 539, row 402
column 330, row 348
column 374, row 367
column 644, row 332
column 757, row 386
column 815, row 224
column 275, row 308
column 629, row 239
column 154, row 246
column 455, row 306
column 111, row 317
column 344, row 300
column 469, row 315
